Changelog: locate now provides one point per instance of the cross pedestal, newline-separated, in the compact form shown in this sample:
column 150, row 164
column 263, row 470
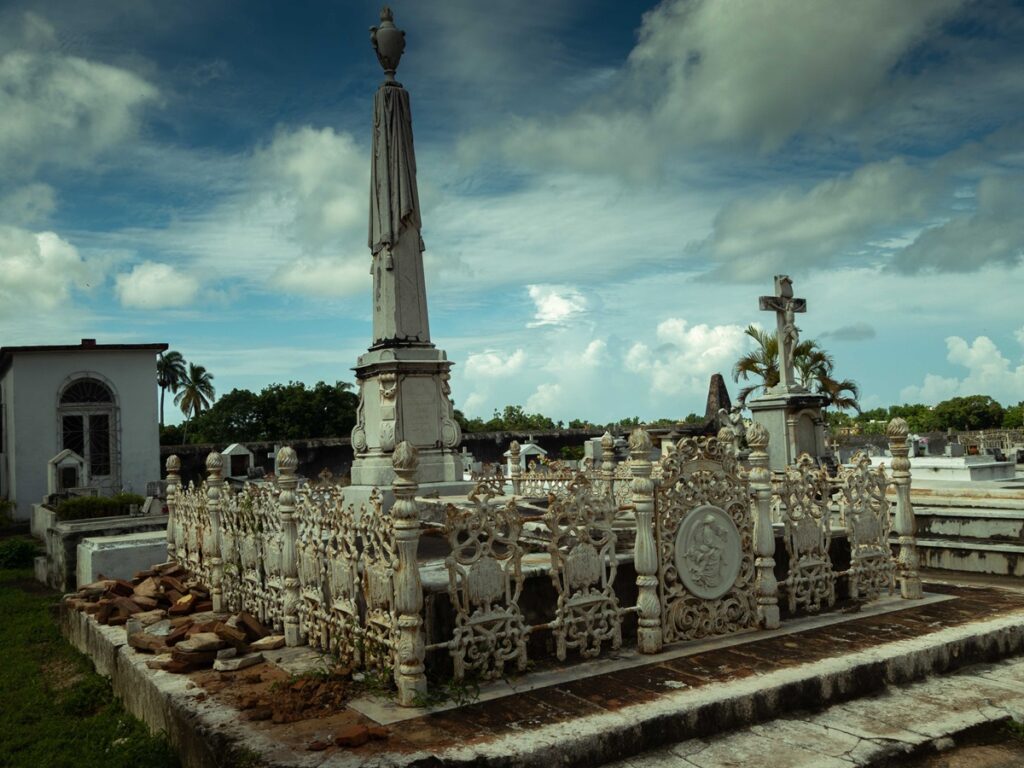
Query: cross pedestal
column 791, row 414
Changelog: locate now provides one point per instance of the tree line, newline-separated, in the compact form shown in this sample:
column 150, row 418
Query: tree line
column 962, row 414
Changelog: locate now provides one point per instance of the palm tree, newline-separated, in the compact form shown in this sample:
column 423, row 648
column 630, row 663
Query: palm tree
column 812, row 365
column 196, row 393
column 170, row 373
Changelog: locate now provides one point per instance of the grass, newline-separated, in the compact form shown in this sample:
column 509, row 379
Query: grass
column 89, row 507
column 55, row 711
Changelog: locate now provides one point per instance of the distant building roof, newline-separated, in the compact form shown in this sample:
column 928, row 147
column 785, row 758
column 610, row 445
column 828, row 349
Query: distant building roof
column 87, row 345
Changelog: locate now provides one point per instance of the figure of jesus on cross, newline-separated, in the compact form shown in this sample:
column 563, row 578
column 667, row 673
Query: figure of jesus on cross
column 785, row 308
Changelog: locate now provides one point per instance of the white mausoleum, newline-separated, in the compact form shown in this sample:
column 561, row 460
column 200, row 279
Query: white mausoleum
column 98, row 401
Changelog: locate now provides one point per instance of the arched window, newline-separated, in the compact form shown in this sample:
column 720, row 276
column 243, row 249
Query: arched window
column 88, row 424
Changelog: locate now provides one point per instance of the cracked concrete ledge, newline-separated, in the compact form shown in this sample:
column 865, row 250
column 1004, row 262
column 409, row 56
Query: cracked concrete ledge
column 931, row 716
column 209, row 734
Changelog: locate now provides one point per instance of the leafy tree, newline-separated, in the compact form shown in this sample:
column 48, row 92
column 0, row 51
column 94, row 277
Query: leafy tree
column 280, row 412
column 812, row 366
column 170, row 374
column 196, row 393
column 920, row 418
column 968, row 413
column 172, row 434
column 1014, row 416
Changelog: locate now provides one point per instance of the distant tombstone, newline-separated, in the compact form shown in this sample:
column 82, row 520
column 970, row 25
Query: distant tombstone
column 238, row 460
column 953, row 450
column 65, row 471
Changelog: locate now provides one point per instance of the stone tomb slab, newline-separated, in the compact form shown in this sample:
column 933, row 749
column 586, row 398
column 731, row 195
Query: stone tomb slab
column 119, row 557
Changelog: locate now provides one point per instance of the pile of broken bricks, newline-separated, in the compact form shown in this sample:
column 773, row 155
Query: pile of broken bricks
column 165, row 614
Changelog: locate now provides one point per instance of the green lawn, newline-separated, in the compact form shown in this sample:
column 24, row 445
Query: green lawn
column 54, row 709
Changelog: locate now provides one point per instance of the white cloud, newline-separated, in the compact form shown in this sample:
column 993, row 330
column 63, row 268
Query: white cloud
column 686, row 356
column 791, row 230
column 555, row 304
column 989, row 372
column 546, row 399
column 716, row 72
column 38, row 270
column 494, row 365
column 324, row 177
column 63, row 110
column 324, row 277
column 595, row 354
column 151, row 285
column 992, row 233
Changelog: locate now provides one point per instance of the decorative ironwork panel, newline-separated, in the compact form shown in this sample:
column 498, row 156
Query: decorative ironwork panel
column 866, row 514
column 805, row 500
column 379, row 561
column 583, row 566
column 192, row 522
column 313, row 516
column 485, row 580
column 540, row 480
column 704, row 529
column 231, row 531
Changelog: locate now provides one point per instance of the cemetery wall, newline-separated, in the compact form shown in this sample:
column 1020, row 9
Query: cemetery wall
column 335, row 453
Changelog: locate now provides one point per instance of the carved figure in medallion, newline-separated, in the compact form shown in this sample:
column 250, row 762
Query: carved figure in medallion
column 706, row 555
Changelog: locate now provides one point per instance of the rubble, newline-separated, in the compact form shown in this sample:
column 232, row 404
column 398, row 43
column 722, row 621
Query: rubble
column 166, row 613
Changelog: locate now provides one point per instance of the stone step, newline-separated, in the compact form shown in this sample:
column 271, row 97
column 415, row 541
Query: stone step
column 884, row 729
column 972, row 556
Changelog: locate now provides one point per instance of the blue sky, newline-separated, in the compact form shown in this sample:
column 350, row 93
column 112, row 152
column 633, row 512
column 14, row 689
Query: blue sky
column 607, row 188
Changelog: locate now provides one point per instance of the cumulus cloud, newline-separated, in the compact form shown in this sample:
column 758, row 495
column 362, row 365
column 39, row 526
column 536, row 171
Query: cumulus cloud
column 555, row 304
column 715, row 72
column 989, row 372
column 323, row 177
column 754, row 239
column 991, row 234
column 546, row 399
column 323, row 277
column 494, row 365
column 152, row 285
column 62, row 110
column 686, row 356
column 39, row 270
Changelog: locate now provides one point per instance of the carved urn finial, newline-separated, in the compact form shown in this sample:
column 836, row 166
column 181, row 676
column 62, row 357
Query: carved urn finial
column 389, row 43
column 757, row 437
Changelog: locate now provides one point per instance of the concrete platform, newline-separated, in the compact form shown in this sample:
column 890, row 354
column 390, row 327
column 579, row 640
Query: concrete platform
column 119, row 557
column 589, row 717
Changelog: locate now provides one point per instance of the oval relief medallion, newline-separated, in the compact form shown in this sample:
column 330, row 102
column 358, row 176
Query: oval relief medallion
column 708, row 552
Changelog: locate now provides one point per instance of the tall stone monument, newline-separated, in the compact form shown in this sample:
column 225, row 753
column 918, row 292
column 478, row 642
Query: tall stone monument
column 404, row 393
column 791, row 414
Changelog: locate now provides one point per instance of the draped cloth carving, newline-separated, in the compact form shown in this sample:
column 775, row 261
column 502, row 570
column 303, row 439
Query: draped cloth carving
column 804, row 504
column 703, row 528
column 583, row 566
column 485, row 581
column 866, row 514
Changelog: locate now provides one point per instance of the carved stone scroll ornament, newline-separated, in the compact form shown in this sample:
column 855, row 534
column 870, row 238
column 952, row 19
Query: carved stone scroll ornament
column 388, row 410
column 359, row 444
column 451, row 432
column 485, row 580
column 583, row 566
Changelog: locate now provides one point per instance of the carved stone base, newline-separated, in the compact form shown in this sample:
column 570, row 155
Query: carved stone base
column 795, row 423
column 404, row 395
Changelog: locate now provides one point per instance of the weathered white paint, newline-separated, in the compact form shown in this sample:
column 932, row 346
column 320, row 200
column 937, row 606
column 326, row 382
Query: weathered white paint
column 119, row 557
column 31, row 387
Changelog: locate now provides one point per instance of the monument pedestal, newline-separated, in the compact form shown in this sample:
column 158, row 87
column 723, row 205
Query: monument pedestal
column 404, row 395
column 795, row 424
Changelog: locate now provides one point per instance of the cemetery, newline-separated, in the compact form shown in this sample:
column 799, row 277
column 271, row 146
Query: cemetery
column 677, row 596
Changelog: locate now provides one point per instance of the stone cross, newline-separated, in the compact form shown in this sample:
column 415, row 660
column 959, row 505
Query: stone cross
column 785, row 306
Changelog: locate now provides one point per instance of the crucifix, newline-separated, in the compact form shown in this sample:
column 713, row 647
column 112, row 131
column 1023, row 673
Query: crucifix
column 785, row 308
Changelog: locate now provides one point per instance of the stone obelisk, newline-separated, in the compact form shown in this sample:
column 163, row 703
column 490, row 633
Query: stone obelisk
column 403, row 379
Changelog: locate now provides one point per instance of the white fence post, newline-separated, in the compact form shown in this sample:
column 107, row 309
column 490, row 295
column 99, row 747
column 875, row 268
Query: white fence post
column 287, row 463
column 645, row 553
column 764, row 536
column 409, row 671
column 907, row 561
column 515, row 470
column 211, row 545
column 173, row 484
column 608, row 464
